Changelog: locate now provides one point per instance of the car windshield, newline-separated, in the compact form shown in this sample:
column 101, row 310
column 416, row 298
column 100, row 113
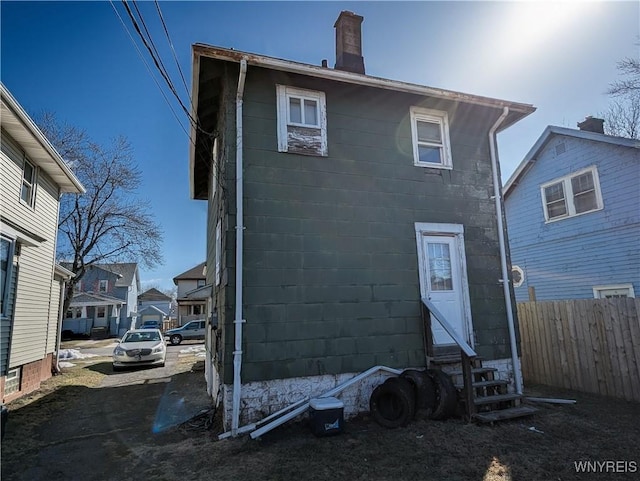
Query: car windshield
column 141, row 336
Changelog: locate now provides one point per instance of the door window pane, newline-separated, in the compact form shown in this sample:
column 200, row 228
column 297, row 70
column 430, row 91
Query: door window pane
column 440, row 267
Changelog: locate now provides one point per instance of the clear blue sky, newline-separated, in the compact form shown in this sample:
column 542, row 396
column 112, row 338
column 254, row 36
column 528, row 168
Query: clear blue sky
column 76, row 59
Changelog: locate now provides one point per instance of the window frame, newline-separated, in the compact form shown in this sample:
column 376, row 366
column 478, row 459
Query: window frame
column 13, row 381
column 101, row 309
column 440, row 117
column 283, row 95
column 597, row 290
column 32, row 183
column 6, row 280
column 569, row 196
column 104, row 282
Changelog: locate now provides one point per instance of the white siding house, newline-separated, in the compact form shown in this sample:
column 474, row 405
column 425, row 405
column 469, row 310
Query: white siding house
column 32, row 178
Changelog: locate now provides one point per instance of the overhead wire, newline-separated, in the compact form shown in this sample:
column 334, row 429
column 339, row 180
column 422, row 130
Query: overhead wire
column 166, row 31
column 149, row 68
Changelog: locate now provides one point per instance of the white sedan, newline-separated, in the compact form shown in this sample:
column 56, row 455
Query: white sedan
column 140, row 347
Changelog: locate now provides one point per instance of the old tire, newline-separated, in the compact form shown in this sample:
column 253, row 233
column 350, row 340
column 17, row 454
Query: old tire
column 175, row 339
column 423, row 386
column 392, row 403
column 446, row 395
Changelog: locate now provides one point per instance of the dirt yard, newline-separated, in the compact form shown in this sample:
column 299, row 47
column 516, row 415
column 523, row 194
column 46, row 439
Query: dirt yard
column 75, row 430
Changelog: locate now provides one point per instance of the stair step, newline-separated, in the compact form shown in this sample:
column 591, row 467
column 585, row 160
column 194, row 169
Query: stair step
column 453, row 359
column 475, row 370
column 503, row 414
column 497, row 382
column 496, row 399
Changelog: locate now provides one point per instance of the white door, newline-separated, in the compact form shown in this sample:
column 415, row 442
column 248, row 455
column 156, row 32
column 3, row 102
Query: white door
column 441, row 282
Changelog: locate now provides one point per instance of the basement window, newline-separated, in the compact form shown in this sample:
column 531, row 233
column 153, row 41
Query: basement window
column 12, row 381
column 571, row 195
column 430, row 137
column 302, row 121
column 613, row 291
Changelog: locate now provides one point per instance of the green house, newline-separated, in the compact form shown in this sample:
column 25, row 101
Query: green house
column 359, row 196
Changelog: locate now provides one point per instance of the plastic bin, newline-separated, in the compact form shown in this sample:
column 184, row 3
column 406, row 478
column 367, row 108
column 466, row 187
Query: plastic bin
column 326, row 416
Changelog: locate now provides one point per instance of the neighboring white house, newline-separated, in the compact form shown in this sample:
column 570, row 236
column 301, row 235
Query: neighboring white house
column 33, row 176
column 159, row 300
column 191, row 304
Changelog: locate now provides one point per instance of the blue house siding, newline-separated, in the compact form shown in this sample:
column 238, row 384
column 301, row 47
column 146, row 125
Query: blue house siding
column 564, row 259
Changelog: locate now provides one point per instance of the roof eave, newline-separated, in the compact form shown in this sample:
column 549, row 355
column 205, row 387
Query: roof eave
column 15, row 110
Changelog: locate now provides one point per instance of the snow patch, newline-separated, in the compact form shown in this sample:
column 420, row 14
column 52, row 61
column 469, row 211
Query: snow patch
column 70, row 354
column 199, row 351
column 66, row 364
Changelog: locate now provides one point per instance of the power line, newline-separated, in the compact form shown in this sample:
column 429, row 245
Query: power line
column 148, row 68
column 184, row 82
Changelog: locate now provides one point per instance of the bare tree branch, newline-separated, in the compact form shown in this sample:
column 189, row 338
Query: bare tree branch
column 107, row 223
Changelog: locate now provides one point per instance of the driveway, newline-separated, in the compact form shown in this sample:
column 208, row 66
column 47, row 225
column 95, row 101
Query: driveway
column 112, row 431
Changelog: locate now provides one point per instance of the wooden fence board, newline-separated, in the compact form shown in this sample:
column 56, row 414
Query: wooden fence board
column 590, row 345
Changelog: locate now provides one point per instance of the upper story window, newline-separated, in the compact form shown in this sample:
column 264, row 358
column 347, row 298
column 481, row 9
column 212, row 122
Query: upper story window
column 302, row 121
column 200, row 283
column 103, row 285
column 27, row 194
column 574, row 194
column 430, row 137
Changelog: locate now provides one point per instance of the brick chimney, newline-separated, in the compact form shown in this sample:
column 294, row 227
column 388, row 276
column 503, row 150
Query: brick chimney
column 592, row 124
column 349, row 42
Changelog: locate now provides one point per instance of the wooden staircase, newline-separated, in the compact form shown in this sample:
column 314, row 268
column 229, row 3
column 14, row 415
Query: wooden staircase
column 487, row 400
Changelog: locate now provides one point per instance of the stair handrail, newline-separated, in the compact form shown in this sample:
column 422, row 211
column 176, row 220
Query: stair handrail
column 466, row 348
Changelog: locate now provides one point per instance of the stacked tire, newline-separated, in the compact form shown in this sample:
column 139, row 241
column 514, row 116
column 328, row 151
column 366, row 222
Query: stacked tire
column 395, row 402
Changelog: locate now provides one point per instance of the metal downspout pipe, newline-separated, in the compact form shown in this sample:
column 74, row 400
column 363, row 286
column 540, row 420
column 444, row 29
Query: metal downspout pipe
column 238, row 321
column 497, row 194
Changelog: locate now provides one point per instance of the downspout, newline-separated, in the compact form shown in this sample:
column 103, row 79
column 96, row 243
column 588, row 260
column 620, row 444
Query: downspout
column 63, row 288
column 497, row 194
column 237, row 351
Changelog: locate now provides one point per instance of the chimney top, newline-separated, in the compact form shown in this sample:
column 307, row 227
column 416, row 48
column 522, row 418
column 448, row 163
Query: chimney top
column 349, row 42
column 592, row 124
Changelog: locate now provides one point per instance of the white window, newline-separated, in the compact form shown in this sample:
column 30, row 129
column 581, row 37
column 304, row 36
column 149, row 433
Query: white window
column 12, row 381
column 574, row 194
column 430, row 138
column 617, row 290
column 74, row 312
column 101, row 311
column 218, row 250
column 103, row 285
column 302, row 121
column 27, row 194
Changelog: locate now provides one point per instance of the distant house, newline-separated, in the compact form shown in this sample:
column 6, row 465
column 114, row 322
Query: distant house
column 106, row 299
column 359, row 196
column 192, row 294
column 573, row 213
column 150, row 313
column 33, row 176
column 153, row 297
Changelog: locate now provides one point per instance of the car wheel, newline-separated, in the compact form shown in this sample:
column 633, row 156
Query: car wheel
column 423, row 386
column 446, row 395
column 175, row 339
column 392, row 404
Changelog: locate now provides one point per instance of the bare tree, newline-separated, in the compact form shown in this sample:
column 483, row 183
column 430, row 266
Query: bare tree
column 622, row 119
column 630, row 68
column 108, row 223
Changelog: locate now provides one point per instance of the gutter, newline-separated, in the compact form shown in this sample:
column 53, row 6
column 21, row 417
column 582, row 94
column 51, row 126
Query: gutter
column 497, row 195
column 237, row 351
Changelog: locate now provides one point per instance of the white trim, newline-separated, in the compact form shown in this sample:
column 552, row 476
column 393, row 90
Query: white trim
column 433, row 116
column 521, row 272
column 448, row 230
column 597, row 289
column 568, row 194
column 218, row 252
column 33, row 182
column 283, row 94
column 106, row 286
column 17, row 236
